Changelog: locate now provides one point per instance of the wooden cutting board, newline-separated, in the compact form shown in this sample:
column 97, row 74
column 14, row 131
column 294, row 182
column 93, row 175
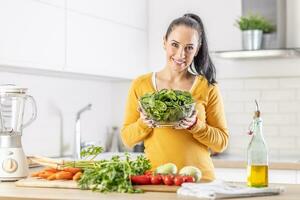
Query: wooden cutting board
column 34, row 182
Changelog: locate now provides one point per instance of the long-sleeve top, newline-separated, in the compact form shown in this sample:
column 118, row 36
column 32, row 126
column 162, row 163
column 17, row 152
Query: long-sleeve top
column 182, row 147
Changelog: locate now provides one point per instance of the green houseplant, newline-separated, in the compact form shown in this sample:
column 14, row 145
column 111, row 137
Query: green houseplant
column 253, row 27
column 255, row 22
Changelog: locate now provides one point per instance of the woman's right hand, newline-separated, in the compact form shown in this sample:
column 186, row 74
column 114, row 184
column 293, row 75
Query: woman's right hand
column 149, row 122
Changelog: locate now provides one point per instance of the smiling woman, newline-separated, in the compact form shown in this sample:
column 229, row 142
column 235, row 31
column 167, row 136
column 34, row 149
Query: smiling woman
column 188, row 68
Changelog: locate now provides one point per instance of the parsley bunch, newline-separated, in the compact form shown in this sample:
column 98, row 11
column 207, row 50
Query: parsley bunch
column 113, row 175
column 109, row 175
column 92, row 150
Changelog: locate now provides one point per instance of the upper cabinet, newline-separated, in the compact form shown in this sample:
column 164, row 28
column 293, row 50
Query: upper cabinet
column 107, row 38
column 59, row 3
column 32, row 35
column 102, row 47
column 130, row 13
column 102, row 38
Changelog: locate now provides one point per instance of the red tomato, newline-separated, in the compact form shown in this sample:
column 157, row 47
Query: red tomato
column 156, row 180
column 188, row 179
column 141, row 179
column 178, row 180
column 168, row 180
column 148, row 173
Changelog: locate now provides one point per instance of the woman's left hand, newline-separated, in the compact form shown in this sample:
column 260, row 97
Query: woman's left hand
column 187, row 122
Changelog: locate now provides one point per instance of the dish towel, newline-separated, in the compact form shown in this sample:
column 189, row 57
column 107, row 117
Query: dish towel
column 222, row 190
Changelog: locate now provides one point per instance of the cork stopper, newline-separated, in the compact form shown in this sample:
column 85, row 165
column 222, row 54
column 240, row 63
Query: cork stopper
column 257, row 111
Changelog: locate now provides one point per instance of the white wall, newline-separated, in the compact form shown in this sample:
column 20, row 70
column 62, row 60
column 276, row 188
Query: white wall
column 274, row 82
column 58, row 99
column 218, row 18
column 118, row 100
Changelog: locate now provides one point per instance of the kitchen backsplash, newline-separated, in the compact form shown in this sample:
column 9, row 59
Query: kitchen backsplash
column 58, row 99
column 280, row 106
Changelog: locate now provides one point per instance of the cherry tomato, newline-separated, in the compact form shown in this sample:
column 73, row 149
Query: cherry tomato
column 156, row 180
column 188, row 179
column 178, row 180
column 141, row 179
column 148, row 173
column 168, row 180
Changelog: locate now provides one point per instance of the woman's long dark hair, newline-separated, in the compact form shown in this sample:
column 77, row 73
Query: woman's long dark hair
column 203, row 64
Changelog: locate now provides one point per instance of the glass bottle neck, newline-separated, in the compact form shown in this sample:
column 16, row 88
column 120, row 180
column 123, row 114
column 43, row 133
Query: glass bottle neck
column 258, row 133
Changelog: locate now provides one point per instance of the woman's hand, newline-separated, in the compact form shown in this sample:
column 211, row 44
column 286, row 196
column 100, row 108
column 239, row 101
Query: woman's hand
column 150, row 123
column 187, row 122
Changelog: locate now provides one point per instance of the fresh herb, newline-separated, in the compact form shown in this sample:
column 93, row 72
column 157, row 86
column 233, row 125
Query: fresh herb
column 114, row 175
column 110, row 175
column 91, row 151
column 167, row 105
column 255, row 22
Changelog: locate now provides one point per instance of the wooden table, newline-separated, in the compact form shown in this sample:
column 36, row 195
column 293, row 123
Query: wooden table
column 8, row 191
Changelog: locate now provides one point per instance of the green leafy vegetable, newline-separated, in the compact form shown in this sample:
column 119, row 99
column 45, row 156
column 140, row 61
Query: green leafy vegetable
column 252, row 22
column 91, row 151
column 167, row 105
column 114, row 175
column 109, row 175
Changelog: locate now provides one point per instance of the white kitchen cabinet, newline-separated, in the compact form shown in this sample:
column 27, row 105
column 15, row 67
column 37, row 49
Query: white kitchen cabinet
column 240, row 175
column 129, row 12
column 298, row 177
column 60, row 3
column 99, row 47
column 32, row 35
column 282, row 176
column 230, row 174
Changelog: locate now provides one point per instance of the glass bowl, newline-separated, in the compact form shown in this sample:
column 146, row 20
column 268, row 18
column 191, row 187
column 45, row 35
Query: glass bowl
column 168, row 116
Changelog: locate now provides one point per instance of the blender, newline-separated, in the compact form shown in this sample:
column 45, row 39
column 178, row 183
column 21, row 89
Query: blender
column 13, row 162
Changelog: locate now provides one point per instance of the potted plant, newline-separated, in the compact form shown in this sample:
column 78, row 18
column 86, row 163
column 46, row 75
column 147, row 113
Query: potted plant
column 269, row 36
column 253, row 27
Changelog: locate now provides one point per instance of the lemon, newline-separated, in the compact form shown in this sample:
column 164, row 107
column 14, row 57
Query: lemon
column 168, row 168
column 191, row 171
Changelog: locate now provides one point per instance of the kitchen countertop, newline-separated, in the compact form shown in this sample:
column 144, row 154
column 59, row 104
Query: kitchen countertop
column 277, row 165
column 230, row 161
column 8, row 191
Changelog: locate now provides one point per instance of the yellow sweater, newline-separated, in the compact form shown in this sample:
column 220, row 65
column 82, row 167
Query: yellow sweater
column 182, row 147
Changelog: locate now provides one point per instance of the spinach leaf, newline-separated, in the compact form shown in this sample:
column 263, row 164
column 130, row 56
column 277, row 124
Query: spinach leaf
column 167, row 105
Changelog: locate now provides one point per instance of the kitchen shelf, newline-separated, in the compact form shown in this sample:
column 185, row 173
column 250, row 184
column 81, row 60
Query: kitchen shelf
column 264, row 53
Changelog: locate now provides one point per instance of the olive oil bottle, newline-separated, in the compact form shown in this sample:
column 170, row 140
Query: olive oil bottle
column 257, row 154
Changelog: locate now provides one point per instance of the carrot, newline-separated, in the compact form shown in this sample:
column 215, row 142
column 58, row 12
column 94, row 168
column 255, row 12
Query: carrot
column 64, row 175
column 73, row 170
column 45, row 174
column 77, row 176
column 41, row 174
column 35, row 174
column 52, row 177
column 51, row 170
